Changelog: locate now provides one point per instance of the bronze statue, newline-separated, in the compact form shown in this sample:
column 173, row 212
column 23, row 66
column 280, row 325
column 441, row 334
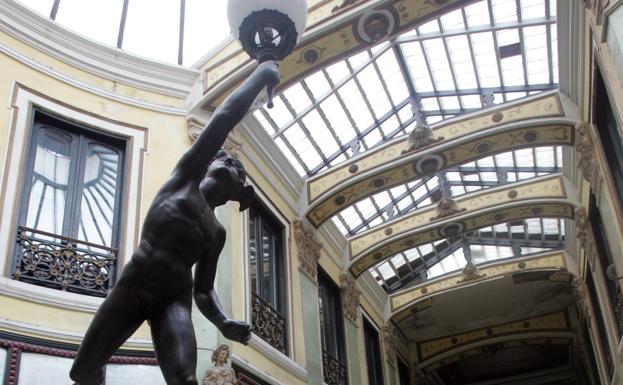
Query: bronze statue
column 220, row 374
column 180, row 230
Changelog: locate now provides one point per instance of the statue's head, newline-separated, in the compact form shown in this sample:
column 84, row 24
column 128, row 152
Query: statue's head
column 230, row 175
column 220, row 355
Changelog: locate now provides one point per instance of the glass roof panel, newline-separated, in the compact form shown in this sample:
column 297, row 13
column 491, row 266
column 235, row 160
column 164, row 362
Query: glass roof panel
column 155, row 36
column 205, row 27
column 44, row 7
column 150, row 30
column 97, row 19
column 467, row 59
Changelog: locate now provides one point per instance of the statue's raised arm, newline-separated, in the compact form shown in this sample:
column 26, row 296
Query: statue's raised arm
column 225, row 118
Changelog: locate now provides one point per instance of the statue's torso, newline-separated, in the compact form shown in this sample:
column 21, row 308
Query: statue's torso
column 219, row 375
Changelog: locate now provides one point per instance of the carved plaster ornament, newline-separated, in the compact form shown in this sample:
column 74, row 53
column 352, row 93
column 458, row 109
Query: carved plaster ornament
column 220, row 374
column 587, row 159
column 345, row 4
column 390, row 337
column 232, row 144
column 582, row 228
column 447, row 206
column 471, row 273
column 580, row 297
column 308, row 251
column 420, row 137
column 350, row 297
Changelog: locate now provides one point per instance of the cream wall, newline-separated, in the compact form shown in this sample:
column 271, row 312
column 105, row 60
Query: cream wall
column 166, row 140
column 163, row 120
column 610, row 208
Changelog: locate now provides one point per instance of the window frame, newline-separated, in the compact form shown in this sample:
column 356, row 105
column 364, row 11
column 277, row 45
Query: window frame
column 84, row 134
column 285, row 360
column 368, row 323
column 23, row 102
column 325, row 281
column 265, row 217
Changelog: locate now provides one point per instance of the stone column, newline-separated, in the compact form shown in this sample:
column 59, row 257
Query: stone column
column 350, row 305
column 308, row 255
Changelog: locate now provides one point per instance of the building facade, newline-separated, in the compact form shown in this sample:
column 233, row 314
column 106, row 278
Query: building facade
column 439, row 194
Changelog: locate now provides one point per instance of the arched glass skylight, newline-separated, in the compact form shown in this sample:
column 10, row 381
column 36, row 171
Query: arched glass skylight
column 171, row 31
column 486, row 53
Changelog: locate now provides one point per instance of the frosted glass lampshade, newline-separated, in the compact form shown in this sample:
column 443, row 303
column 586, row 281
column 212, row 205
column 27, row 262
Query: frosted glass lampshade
column 268, row 29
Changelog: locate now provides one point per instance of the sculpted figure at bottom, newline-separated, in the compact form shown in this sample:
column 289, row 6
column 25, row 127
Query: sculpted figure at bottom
column 220, row 374
column 180, row 231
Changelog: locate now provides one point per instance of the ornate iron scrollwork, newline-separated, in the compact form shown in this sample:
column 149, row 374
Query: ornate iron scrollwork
column 269, row 324
column 618, row 311
column 334, row 371
column 54, row 261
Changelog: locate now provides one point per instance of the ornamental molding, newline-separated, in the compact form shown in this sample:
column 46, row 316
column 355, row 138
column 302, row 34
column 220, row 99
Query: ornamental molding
column 471, row 273
column 587, row 157
column 390, row 337
column 580, row 297
column 447, row 207
column 582, row 228
column 350, row 298
column 308, row 251
column 421, row 137
column 232, row 145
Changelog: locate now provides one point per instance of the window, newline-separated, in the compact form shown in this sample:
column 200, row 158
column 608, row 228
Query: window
column 373, row 353
column 331, row 331
column 609, row 133
column 267, row 277
column 403, row 372
column 600, row 322
column 606, row 260
column 68, row 228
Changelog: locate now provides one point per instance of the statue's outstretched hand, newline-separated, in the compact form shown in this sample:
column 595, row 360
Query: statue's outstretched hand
column 236, row 331
column 268, row 71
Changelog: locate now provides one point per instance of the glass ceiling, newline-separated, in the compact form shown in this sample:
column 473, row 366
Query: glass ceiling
column 174, row 31
column 487, row 53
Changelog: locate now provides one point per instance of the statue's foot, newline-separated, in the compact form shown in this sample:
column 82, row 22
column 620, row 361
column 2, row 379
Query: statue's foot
column 236, row 331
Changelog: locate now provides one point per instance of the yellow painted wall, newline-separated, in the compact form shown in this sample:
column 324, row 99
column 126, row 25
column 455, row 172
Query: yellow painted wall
column 166, row 137
column 167, row 140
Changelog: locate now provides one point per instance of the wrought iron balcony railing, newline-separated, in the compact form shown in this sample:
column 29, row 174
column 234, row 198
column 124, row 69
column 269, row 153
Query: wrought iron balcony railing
column 269, row 324
column 63, row 263
column 333, row 370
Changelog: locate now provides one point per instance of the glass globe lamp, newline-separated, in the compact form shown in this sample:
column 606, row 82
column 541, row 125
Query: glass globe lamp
column 267, row 29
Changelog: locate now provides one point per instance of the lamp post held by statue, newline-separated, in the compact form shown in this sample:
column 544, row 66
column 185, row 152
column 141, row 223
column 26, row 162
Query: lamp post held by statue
column 181, row 231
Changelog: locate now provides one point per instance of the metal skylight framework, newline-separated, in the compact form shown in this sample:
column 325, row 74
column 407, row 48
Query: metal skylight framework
column 172, row 31
column 486, row 53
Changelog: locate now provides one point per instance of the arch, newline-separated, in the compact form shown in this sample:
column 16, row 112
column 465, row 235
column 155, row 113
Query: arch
column 539, row 197
column 534, row 122
column 403, row 303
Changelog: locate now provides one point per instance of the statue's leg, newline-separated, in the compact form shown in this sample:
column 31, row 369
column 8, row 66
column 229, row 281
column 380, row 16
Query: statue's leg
column 115, row 321
column 174, row 342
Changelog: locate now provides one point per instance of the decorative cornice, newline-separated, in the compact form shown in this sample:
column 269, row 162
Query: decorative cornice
column 580, row 297
column 587, row 157
column 308, row 251
column 471, row 273
column 582, row 228
column 232, row 145
column 390, row 338
column 350, row 298
column 548, row 323
column 403, row 301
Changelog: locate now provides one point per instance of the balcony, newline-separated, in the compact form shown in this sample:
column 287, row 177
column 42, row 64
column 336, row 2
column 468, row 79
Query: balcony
column 63, row 263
